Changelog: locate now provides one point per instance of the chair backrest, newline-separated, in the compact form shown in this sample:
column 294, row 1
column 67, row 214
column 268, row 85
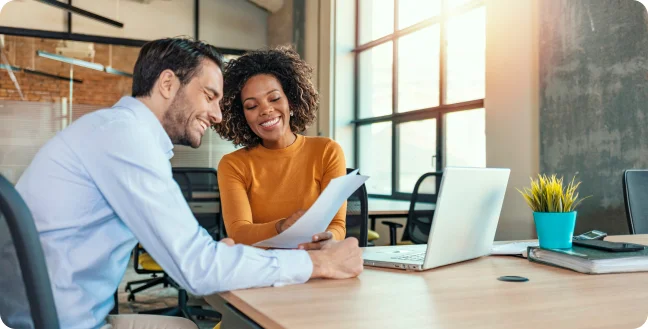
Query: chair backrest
column 419, row 219
column 200, row 188
column 22, row 244
column 635, row 194
column 357, row 215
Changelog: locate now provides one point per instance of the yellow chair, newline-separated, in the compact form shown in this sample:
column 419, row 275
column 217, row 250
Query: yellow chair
column 372, row 235
column 145, row 264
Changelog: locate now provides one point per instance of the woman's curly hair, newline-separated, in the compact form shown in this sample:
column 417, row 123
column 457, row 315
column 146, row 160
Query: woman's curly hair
column 293, row 73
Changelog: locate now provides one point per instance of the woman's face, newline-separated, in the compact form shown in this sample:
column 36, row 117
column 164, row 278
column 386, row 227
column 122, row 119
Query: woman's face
column 267, row 111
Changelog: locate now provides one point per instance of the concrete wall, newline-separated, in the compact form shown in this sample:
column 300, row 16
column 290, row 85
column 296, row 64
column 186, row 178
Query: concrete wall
column 280, row 25
column 594, row 96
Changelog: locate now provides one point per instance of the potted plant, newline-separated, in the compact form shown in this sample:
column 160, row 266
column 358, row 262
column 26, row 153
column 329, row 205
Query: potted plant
column 554, row 210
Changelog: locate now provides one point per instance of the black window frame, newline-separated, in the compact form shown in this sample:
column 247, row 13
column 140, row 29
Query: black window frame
column 396, row 118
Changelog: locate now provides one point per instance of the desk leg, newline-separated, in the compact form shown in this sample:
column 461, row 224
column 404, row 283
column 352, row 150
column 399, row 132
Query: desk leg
column 373, row 223
column 232, row 318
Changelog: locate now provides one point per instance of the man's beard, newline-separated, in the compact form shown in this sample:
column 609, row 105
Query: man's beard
column 176, row 122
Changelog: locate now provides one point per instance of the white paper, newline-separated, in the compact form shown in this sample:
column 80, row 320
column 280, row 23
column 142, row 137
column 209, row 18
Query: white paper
column 318, row 217
column 513, row 248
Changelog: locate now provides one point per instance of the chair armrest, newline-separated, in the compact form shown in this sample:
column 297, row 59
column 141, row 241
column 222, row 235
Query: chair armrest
column 392, row 231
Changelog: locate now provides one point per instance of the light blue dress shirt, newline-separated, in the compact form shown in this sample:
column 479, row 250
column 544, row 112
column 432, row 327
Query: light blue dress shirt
column 105, row 183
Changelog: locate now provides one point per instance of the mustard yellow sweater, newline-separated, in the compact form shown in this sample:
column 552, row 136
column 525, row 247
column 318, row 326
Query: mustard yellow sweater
column 260, row 186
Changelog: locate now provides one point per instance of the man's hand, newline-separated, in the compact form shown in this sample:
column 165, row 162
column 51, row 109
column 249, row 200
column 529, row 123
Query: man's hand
column 285, row 223
column 340, row 260
column 318, row 242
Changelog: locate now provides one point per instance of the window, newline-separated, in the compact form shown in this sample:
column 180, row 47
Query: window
column 419, row 88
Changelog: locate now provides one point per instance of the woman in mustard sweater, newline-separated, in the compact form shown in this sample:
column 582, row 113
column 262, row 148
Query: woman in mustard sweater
column 266, row 186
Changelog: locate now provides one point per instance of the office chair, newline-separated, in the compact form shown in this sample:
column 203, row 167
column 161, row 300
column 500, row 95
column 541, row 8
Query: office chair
column 20, row 245
column 200, row 188
column 419, row 217
column 635, row 195
column 357, row 214
column 143, row 263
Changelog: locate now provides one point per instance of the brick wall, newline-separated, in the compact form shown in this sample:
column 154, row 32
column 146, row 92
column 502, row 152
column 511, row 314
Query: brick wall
column 98, row 88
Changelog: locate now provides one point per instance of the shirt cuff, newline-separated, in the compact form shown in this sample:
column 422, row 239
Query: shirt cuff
column 295, row 267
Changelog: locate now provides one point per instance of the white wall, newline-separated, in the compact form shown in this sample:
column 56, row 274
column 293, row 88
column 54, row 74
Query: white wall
column 30, row 14
column 512, row 103
column 223, row 23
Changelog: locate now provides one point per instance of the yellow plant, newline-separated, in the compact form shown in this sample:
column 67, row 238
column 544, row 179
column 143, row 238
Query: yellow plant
column 547, row 194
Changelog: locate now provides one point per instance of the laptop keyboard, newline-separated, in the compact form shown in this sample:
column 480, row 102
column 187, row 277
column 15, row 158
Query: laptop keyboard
column 412, row 257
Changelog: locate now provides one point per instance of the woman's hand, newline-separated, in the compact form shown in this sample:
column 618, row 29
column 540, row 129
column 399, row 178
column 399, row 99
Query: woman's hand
column 285, row 223
column 319, row 241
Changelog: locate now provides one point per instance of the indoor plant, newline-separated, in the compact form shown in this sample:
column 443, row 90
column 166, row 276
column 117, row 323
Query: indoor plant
column 554, row 210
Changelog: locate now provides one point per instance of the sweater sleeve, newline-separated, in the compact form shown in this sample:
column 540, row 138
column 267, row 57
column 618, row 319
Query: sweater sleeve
column 334, row 165
column 237, row 214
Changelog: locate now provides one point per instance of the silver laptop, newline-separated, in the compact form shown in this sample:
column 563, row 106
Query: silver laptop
column 464, row 223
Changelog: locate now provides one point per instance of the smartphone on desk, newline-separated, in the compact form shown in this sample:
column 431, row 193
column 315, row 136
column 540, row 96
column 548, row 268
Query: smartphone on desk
column 609, row 246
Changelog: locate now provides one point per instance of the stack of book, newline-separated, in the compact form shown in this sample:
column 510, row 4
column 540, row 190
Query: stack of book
column 591, row 261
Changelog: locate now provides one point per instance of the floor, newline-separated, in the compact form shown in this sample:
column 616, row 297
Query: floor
column 155, row 298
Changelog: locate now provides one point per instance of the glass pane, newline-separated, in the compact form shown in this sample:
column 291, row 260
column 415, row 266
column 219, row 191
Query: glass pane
column 466, row 56
column 465, row 138
column 376, row 19
column 451, row 4
column 375, row 81
column 418, row 65
column 411, row 12
column 417, row 152
column 375, row 156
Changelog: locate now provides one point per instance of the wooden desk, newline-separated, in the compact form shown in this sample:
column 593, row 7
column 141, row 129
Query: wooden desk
column 465, row 295
column 384, row 207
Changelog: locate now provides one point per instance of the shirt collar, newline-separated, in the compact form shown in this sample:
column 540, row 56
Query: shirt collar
column 144, row 114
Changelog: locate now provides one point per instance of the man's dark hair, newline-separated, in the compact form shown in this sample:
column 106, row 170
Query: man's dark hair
column 183, row 56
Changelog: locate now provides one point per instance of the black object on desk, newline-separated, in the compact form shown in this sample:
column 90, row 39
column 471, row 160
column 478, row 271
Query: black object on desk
column 513, row 278
column 609, row 246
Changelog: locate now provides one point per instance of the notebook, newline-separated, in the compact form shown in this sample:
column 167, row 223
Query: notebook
column 591, row 261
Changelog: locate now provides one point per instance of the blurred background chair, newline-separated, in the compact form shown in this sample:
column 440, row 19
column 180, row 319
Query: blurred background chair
column 357, row 214
column 635, row 195
column 200, row 188
column 421, row 211
column 24, row 281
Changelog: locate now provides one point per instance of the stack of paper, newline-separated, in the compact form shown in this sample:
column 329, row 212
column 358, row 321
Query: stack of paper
column 513, row 248
column 318, row 217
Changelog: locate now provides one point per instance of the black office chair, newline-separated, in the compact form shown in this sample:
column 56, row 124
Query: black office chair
column 635, row 195
column 357, row 214
column 421, row 211
column 24, row 282
column 200, row 188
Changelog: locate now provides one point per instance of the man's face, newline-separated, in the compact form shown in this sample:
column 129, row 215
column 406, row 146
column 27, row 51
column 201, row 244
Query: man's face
column 195, row 106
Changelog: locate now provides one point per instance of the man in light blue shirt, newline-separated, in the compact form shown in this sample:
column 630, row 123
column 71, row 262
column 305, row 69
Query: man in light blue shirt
column 105, row 183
